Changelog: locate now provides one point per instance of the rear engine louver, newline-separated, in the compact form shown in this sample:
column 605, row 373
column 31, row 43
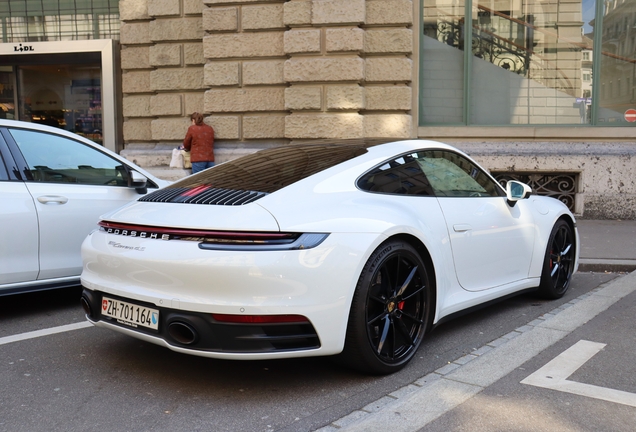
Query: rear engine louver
column 203, row 195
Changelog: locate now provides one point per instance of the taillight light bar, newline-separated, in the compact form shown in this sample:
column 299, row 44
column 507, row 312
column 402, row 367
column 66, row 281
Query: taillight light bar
column 219, row 240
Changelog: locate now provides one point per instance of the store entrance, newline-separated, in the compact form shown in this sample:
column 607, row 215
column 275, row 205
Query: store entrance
column 60, row 90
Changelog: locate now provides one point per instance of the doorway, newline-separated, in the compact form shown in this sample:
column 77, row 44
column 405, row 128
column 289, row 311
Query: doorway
column 72, row 85
column 61, row 90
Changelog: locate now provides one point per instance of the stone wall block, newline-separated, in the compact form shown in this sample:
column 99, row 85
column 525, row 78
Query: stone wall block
column 135, row 82
column 302, row 41
column 136, row 106
column 388, row 126
column 264, row 127
column 134, row 33
column 193, row 7
column 165, row 55
column 338, row 12
column 137, row 130
column 193, row 103
column 389, row 98
column 135, row 58
column 263, row 72
column 314, row 126
column 176, row 79
column 130, row 10
column 244, row 100
column 297, row 12
column 345, row 97
column 225, row 127
column 344, row 39
column 388, row 41
column 220, row 19
column 258, row 44
column 164, row 8
column 388, row 69
column 169, row 128
column 383, row 12
column 262, row 17
column 165, row 104
column 324, row 69
column 176, row 29
column 193, row 54
column 303, row 98
column 221, row 73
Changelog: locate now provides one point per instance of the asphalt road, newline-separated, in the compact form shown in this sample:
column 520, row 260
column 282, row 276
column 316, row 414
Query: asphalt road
column 95, row 379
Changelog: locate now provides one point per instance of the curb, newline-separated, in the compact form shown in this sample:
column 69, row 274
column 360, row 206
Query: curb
column 606, row 265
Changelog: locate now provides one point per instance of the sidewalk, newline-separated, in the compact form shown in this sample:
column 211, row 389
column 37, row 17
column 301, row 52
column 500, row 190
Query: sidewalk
column 569, row 370
column 607, row 245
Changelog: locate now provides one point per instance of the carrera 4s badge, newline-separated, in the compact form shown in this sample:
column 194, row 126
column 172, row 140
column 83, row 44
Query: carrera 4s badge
column 122, row 246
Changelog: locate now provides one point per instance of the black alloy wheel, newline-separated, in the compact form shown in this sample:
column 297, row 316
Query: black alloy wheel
column 558, row 262
column 390, row 310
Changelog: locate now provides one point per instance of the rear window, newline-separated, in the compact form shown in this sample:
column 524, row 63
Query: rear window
column 272, row 169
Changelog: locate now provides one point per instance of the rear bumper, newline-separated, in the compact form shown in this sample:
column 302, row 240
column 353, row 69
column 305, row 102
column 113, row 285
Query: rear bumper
column 201, row 333
column 189, row 284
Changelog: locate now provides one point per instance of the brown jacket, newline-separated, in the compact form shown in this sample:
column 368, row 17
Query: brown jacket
column 199, row 140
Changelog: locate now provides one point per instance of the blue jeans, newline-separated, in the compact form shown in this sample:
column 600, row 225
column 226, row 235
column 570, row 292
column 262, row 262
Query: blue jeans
column 200, row 166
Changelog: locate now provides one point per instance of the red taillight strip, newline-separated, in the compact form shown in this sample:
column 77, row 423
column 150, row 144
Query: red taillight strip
column 232, row 235
column 260, row 319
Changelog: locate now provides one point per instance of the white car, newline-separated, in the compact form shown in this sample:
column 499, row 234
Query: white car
column 54, row 186
column 321, row 249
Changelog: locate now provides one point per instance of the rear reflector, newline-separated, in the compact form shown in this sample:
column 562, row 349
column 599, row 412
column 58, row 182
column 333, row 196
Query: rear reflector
column 260, row 319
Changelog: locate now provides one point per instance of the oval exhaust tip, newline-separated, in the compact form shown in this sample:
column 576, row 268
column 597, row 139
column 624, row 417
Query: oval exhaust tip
column 86, row 306
column 182, row 332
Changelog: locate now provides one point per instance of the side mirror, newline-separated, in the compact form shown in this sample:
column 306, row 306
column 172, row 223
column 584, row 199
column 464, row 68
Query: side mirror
column 516, row 191
column 137, row 181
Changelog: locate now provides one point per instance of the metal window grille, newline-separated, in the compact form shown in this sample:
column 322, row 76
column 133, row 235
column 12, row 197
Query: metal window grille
column 561, row 186
column 59, row 20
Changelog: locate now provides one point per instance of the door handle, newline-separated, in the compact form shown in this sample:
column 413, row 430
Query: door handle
column 52, row 199
column 462, row 227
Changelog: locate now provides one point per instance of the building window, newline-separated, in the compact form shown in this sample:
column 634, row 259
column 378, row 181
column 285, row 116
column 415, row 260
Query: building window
column 59, row 20
column 494, row 63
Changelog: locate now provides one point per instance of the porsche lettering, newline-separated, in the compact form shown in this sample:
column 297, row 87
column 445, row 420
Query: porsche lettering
column 140, row 234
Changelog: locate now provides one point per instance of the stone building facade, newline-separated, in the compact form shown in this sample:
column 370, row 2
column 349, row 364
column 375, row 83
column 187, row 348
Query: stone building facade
column 269, row 72
column 266, row 72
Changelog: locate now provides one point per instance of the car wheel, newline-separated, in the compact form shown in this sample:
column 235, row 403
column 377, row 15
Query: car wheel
column 390, row 310
column 558, row 262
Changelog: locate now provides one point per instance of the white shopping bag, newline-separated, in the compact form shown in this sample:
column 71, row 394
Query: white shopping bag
column 177, row 159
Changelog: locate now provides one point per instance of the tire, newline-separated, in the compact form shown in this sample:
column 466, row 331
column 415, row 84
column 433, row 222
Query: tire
column 390, row 310
column 558, row 262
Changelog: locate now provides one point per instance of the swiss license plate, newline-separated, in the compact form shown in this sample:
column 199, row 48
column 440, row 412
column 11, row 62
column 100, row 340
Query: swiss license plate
column 130, row 314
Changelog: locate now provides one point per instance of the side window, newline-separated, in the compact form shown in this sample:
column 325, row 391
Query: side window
column 57, row 159
column 452, row 175
column 430, row 173
column 401, row 176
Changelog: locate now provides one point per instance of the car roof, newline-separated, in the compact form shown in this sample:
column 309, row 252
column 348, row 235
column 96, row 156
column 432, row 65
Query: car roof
column 272, row 169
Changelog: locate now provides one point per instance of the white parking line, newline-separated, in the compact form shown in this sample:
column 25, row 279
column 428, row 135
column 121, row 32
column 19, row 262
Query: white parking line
column 44, row 332
column 555, row 373
column 415, row 405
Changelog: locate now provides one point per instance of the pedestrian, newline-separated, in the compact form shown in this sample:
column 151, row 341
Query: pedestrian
column 199, row 141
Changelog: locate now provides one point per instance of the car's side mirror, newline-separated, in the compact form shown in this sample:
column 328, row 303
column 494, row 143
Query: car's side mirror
column 516, row 191
column 137, row 181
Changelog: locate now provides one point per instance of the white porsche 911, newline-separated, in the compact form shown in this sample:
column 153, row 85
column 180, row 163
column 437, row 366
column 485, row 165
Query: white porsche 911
column 356, row 249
